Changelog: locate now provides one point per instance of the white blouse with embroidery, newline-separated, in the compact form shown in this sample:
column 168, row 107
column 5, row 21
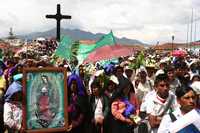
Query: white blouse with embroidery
column 13, row 115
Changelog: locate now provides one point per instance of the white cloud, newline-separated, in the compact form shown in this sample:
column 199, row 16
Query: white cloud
column 146, row 20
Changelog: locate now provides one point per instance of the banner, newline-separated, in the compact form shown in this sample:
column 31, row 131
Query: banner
column 189, row 123
column 64, row 48
column 84, row 49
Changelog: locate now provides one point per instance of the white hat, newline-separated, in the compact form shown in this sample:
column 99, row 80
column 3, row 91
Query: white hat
column 66, row 65
column 196, row 87
column 165, row 60
column 131, row 58
column 160, row 71
column 99, row 72
column 142, row 69
column 124, row 63
column 16, row 55
column 127, row 68
column 114, row 79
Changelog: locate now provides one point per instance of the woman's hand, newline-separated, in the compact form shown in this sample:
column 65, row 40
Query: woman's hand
column 130, row 122
column 99, row 120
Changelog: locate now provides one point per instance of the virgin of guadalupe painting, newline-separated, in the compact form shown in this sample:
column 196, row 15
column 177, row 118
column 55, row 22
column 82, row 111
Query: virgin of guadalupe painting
column 45, row 97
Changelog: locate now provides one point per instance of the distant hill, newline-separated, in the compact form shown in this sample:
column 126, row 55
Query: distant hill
column 168, row 46
column 165, row 46
column 77, row 34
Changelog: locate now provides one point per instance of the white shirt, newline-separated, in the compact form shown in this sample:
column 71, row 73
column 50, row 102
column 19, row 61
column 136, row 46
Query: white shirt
column 147, row 86
column 99, row 108
column 155, row 107
column 13, row 115
column 143, row 89
column 166, row 121
column 145, row 100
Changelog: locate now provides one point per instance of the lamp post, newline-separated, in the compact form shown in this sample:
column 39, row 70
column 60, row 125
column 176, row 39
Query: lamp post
column 172, row 43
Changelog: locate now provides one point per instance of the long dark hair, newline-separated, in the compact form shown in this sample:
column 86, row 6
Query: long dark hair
column 119, row 91
column 182, row 90
column 98, row 83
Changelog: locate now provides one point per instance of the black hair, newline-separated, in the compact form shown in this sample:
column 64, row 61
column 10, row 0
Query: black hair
column 96, row 82
column 119, row 67
column 160, row 77
column 181, row 65
column 119, row 90
column 169, row 68
column 194, row 76
column 99, row 84
column 182, row 90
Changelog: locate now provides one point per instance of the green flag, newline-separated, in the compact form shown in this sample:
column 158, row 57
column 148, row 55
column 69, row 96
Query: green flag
column 84, row 49
column 64, row 48
column 108, row 39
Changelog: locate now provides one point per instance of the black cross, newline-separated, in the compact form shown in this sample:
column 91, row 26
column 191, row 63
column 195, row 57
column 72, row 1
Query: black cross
column 58, row 18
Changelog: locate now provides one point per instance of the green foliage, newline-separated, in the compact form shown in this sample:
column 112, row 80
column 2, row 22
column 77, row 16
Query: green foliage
column 74, row 49
column 140, row 60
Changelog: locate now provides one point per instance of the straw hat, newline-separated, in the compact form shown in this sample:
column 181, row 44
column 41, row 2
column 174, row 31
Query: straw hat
column 196, row 87
column 114, row 79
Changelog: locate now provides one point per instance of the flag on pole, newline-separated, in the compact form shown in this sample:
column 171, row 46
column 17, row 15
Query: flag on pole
column 84, row 50
column 64, row 48
column 108, row 39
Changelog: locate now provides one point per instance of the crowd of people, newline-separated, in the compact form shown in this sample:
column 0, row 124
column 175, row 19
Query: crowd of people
column 114, row 97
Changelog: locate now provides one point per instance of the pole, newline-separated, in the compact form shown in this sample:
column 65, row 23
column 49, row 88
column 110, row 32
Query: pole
column 188, row 35
column 172, row 43
column 191, row 33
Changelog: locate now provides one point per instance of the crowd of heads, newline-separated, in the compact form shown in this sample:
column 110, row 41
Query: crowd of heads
column 137, row 74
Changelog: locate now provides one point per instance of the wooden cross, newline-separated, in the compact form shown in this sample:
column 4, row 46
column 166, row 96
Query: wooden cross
column 58, row 18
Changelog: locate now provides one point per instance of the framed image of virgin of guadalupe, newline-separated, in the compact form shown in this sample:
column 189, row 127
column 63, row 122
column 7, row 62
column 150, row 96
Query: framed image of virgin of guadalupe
column 44, row 100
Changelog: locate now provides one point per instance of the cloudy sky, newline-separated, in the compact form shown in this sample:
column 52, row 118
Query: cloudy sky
column 149, row 21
